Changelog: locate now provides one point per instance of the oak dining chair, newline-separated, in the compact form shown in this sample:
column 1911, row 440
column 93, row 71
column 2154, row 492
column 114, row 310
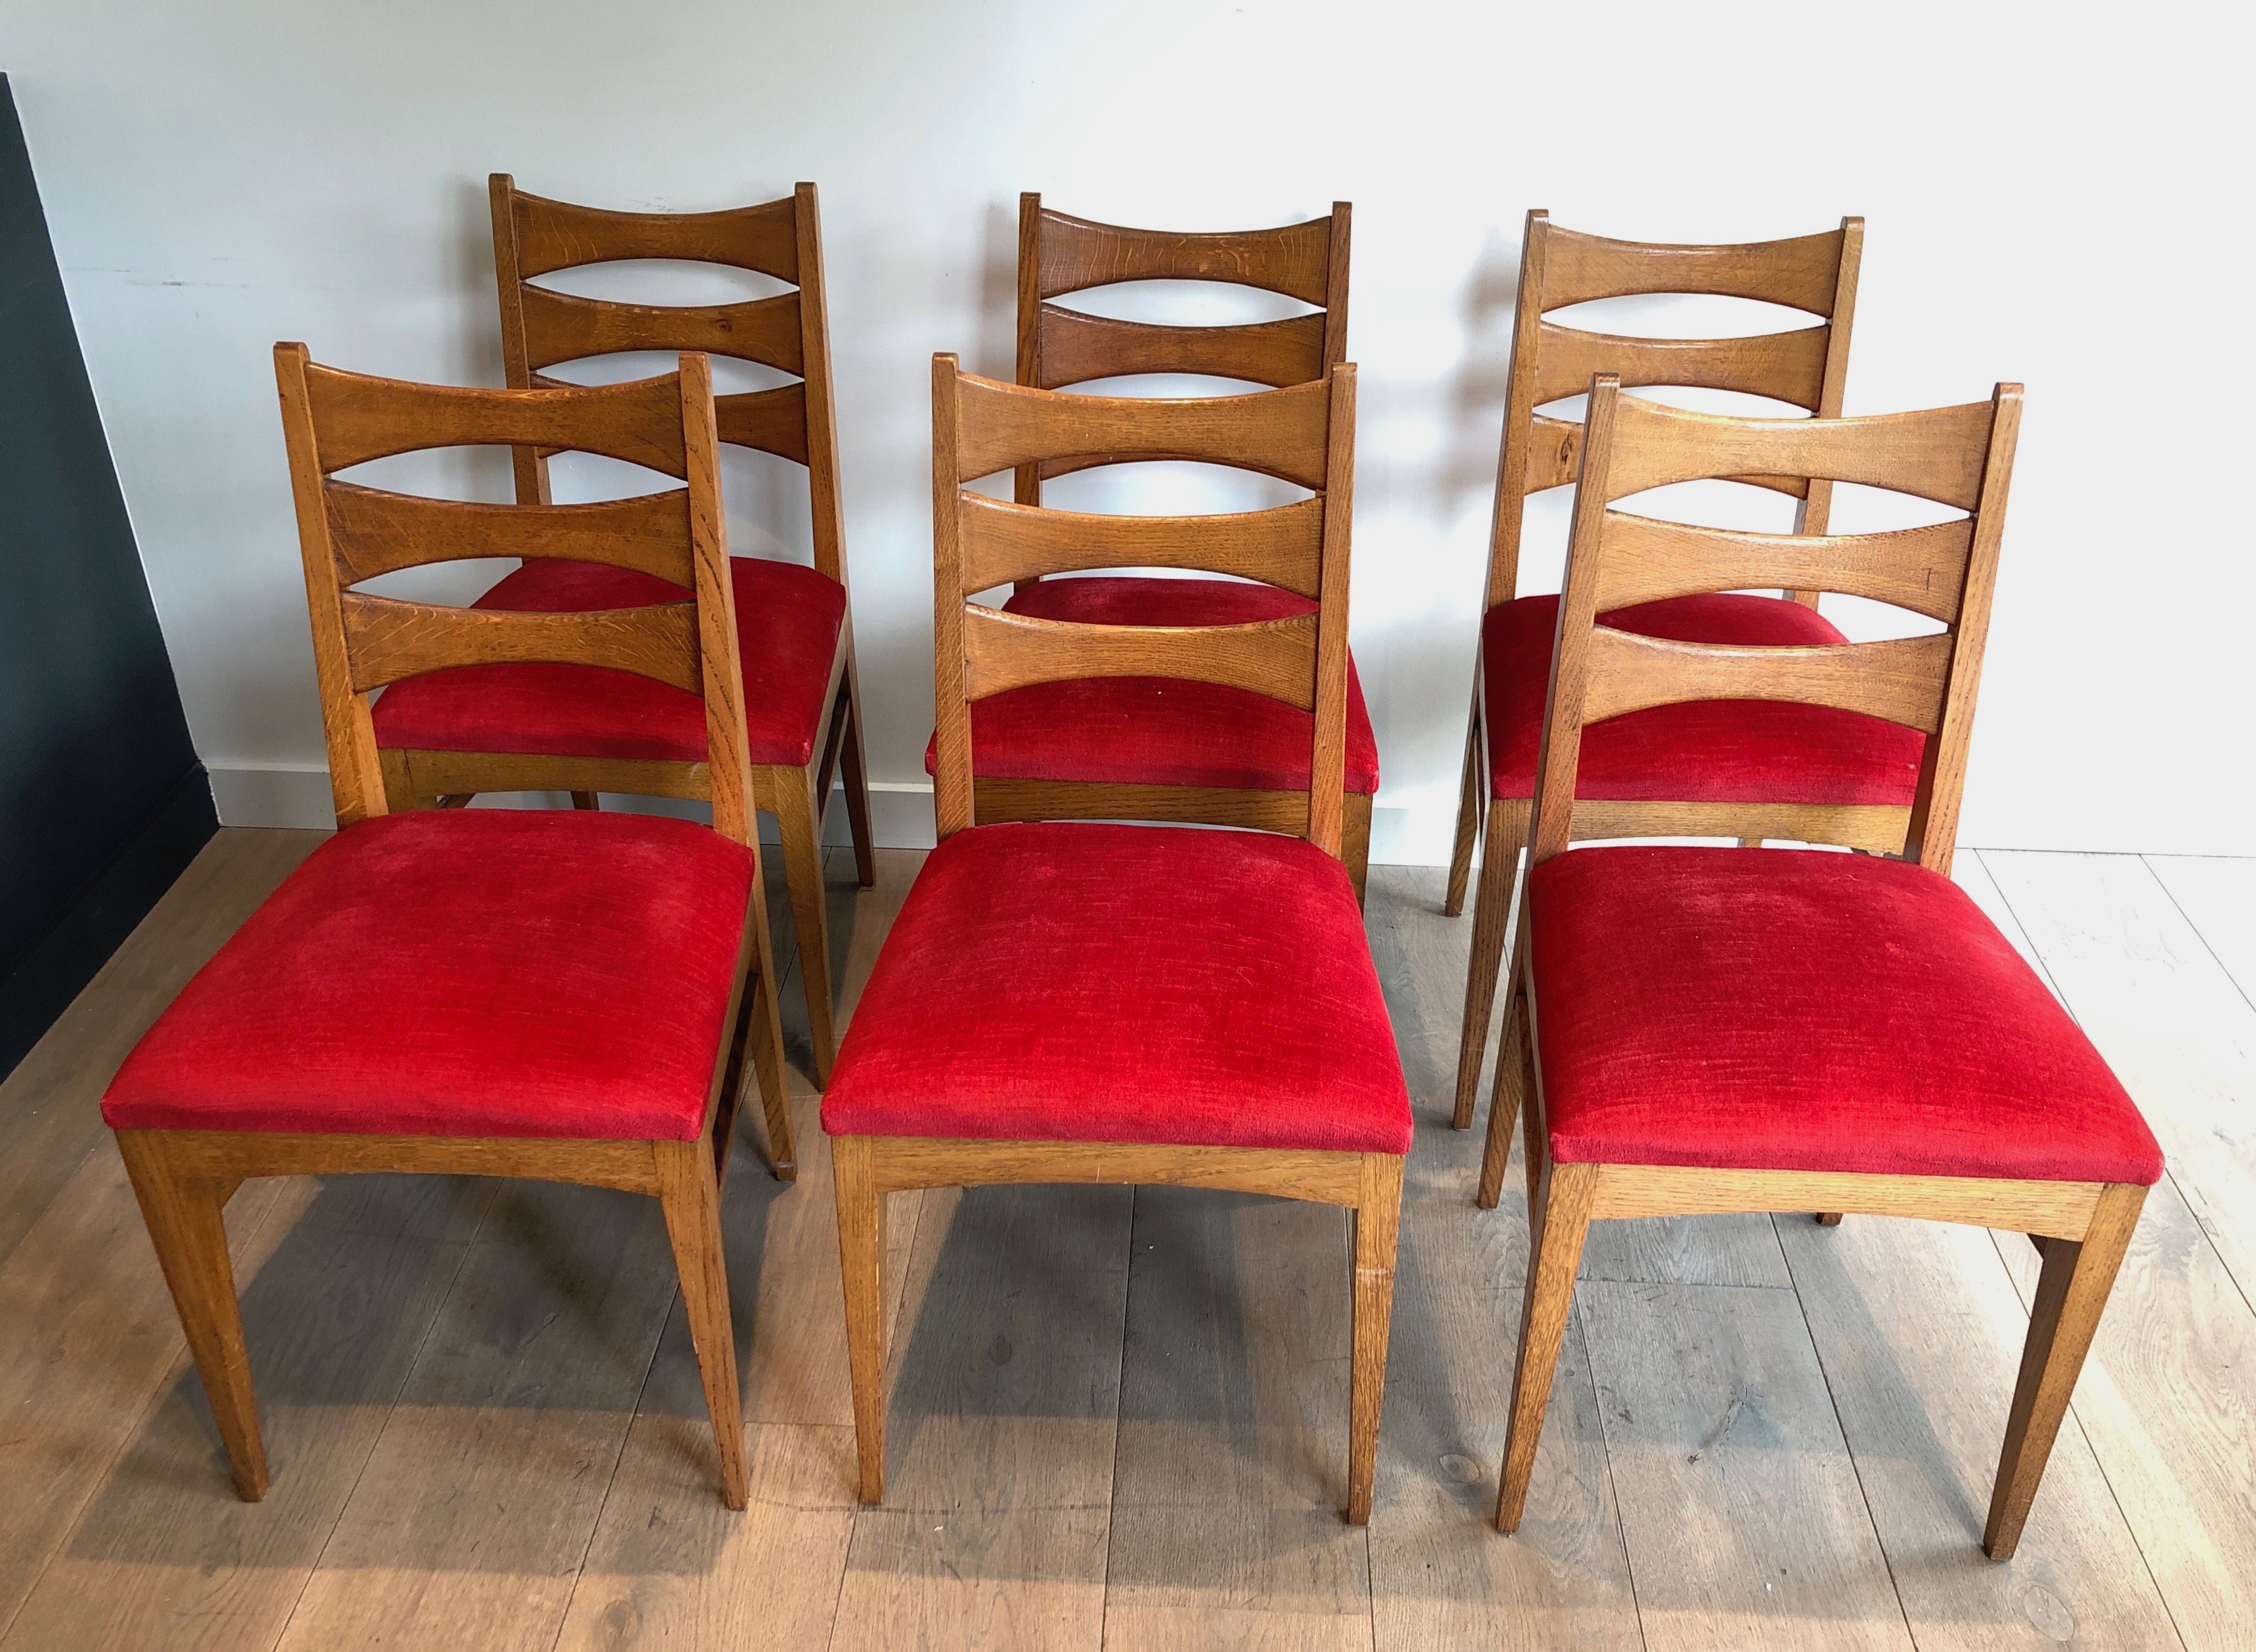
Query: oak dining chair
column 498, row 728
column 557, row 995
column 1145, row 747
column 1744, row 770
column 1705, row 1029
column 1077, row 1001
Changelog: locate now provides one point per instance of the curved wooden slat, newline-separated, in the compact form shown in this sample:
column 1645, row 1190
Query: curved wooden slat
column 1079, row 252
column 1801, row 273
column 1901, row 680
column 358, row 418
column 1937, row 455
column 1788, row 366
column 1272, row 657
column 555, row 234
column 1002, row 543
column 374, row 532
column 772, row 421
column 561, row 327
column 387, row 639
column 1076, row 347
column 1920, row 568
column 1554, row 453
column 1279, row 433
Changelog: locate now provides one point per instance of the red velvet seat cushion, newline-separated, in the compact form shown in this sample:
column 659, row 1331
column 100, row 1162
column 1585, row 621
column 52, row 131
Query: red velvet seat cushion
column 1797, row 1010
column 1709, row 750
column 1068, row 981
column 787, row 620
column 479, row 972
column 1156, row 731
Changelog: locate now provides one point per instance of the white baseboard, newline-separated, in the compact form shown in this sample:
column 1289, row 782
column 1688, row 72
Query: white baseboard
column 900, row 811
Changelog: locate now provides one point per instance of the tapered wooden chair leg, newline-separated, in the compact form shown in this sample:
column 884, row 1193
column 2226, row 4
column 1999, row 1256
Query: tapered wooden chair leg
column 854, row 767
column 861, row 1264
column 799, row 813
column 767, row 1067
column 586, row 799
column 734, row 1077
column 1469, row 813
column 1506, row 836
column 1378, row 1221
column 1560, row 1217
column 1828, row 1218
column 185, row 1227
column 691, row 1199
column 1515, row 1071
column 2071, row 1292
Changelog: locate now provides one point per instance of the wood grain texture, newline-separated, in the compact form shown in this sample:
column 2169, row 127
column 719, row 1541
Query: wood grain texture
column 1002, row 542
column 1902, row 679
column 1920, row 568
column 1279, row 433
column 1276, row 657
column 360, row 418
column 557, row 235
column 373, row 532
column 1076, row 347
column 1801, row 273
column 1940, row 454
column 1788, row 367
column 1079, row 253
column 561, row 327
column 2060, row 1208
column 388, row 639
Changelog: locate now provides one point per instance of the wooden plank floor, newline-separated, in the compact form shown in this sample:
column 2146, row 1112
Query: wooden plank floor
column 1118, row 1417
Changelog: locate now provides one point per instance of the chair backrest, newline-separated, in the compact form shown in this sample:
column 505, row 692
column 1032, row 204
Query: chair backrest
column 1805, row 367
column 541, row 327
column 1304, row 435
column 349, row 533
column 1057, row 346
column 1962, row 457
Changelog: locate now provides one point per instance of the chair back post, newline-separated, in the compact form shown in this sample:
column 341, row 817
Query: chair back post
column 1026, row 479
column 1932, row 838
column 1327, row 760
column 1519, row 415
column 728, row 752
column 1560, row 754
column 1335, row 271
column 951, row 781
column 824, row 497
column 1816, row 513
column 356, row 772
column 528, row 466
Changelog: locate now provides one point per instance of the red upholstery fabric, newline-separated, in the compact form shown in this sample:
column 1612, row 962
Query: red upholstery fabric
column 1155, row 731
column 787, row 620
column 478, row 972
column 1780, row 1009
column 1068, row 981
column 1711, row 751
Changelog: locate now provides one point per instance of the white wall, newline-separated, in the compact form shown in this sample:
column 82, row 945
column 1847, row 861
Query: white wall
column 2052, row 195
